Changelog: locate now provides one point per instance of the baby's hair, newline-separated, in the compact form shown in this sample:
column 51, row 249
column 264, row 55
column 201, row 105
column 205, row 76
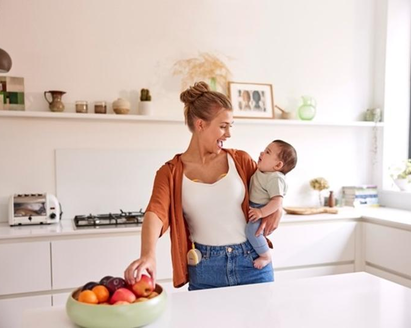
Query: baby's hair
column 288, row 155
column 200, row 102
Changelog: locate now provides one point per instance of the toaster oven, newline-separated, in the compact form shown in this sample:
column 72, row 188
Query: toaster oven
column 27, row 209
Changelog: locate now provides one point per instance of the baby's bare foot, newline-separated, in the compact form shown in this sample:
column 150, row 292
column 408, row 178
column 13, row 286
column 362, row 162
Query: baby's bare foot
column 262, row 260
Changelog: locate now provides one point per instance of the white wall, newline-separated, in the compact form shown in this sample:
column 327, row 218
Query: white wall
column 100, row 50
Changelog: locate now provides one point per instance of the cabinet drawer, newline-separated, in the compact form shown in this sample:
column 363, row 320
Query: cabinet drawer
column 313, row 244
column 12, row 310
column 78, row 261
column 25, row 267
column 388, row 247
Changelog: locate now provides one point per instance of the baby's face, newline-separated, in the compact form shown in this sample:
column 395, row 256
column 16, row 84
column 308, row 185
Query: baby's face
column 268, row 160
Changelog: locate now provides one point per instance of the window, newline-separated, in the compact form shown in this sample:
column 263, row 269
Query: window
column 409, row 128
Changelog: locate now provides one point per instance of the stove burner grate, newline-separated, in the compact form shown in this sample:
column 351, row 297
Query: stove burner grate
column 121, row 219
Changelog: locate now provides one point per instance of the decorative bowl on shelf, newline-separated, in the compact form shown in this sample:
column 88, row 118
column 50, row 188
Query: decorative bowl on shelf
column 119, row 316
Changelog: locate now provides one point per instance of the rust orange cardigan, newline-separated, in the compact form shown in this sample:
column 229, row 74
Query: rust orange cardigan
column 166, row 203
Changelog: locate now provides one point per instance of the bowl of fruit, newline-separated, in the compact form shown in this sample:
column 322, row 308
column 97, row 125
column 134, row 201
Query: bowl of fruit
column 111, row 302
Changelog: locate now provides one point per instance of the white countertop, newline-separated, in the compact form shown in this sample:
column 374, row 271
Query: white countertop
column 380, row 215
column 355, row 300
column 62, row 228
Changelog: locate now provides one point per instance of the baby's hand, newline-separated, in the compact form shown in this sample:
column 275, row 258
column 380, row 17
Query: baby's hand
column 254, row 214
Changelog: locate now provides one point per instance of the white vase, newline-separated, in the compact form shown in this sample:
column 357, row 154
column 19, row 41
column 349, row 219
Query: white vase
column 144, row 108
column 403, row 184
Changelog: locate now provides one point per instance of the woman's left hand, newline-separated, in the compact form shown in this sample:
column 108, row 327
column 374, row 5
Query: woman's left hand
column 270, row 223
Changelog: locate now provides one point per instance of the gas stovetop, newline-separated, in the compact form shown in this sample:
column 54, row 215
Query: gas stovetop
column 110, row 220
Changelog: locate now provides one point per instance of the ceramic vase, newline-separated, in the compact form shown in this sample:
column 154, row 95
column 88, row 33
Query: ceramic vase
column 121, row 106
column 307, row 110
column 55, row 104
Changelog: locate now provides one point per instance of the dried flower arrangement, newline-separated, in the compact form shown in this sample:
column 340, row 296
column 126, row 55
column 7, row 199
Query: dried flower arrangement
column 206, row 67
column 319, row 184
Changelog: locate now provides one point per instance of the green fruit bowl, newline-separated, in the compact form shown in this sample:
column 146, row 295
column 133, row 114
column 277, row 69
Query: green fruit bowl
column 119, row 316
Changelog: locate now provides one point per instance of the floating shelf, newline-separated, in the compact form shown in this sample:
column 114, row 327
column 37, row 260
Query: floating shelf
column 141, row 118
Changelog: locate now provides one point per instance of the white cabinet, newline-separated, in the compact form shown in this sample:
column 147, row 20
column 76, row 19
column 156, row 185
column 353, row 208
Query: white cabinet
column 388, row 248
column 11, row 310
column 299, row 245
column 60, row 299
column 25, row 267
column 78, row 261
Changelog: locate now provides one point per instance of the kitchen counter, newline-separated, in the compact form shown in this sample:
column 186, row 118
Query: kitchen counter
column 380, row 215
column 63, row 228
column 355, row 300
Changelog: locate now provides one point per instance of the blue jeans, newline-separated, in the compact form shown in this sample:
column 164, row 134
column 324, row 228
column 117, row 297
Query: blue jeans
column 259, row 243
column 230, row 265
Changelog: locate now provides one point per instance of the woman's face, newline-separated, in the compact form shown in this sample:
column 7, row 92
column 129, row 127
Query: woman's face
column 268, row 160
column 217, row 131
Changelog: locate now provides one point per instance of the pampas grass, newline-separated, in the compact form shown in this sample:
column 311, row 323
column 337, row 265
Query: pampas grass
column 206, row 67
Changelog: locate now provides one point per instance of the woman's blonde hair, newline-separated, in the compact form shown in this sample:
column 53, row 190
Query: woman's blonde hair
column 200, row 102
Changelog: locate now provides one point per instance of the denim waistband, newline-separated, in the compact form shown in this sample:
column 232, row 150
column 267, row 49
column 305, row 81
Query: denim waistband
column 235, row 249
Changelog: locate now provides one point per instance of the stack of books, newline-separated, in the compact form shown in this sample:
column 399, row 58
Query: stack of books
column 358, row 196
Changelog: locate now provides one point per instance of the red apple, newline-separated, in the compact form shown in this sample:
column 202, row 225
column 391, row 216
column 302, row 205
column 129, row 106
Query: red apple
column 121, row 303
column 122, row 294
column 143, row 287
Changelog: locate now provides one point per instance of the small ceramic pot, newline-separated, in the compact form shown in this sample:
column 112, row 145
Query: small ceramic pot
column 121, row 106
column 144, row 108
column 403, row 184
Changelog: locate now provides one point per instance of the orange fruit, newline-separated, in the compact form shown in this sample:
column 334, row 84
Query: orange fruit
column 102, row 293
column 152, row 295
column 88, row 296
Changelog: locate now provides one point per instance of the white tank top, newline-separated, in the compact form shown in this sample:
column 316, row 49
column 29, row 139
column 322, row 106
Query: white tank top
column 213, row 211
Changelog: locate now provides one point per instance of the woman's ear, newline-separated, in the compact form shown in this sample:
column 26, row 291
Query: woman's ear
column 199, row 125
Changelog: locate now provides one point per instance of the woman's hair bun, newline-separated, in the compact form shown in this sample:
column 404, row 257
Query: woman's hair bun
column 192, row 93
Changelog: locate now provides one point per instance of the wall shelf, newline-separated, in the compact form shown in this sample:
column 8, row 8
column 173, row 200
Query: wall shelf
column 168, row 119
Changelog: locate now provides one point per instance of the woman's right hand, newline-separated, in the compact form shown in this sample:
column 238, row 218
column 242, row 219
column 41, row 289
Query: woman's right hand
column 138, row 267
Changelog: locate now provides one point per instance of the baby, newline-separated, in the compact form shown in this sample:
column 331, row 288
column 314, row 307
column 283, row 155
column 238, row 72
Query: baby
column 267, row 188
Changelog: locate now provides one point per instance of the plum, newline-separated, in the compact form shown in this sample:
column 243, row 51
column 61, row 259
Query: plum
column 115, row 283
column 104, row 280
column 89, row 286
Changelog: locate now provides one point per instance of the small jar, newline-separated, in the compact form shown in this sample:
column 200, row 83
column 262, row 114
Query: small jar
column 81, row 106
column 100, row 107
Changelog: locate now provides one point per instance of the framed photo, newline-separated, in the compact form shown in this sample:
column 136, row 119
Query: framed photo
column 251, row 100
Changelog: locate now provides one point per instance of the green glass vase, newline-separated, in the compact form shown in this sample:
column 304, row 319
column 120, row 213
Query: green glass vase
column 213, row 84
column 307, row 110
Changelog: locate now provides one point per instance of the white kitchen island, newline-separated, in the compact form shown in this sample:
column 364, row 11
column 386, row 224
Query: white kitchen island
column 355, row 300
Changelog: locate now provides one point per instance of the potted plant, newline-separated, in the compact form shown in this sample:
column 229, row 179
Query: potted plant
column 401, row 175
column 144, row 106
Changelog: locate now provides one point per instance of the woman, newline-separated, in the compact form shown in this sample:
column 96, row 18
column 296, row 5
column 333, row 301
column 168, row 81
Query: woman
column 202, row 195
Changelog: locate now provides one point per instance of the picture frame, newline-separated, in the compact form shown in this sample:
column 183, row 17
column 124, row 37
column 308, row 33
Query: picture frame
column 251, row 100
